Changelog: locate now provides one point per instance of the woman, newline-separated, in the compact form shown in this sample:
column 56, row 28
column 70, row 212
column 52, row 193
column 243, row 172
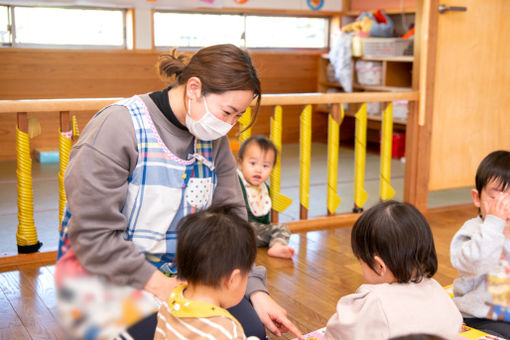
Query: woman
column 139, row 166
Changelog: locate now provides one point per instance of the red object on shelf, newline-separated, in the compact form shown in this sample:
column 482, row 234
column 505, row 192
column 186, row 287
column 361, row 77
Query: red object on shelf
column 398, row 146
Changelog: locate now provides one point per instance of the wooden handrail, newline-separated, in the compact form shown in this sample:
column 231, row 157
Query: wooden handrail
column 93, row 104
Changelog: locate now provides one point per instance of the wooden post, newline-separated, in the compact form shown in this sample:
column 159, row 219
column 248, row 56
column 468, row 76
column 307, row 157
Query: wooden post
column 26, row 236
column 65, row 121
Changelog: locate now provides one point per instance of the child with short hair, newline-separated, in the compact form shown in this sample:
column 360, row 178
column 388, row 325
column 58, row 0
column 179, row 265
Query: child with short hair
column 215, row 251
column 482, row 245
column 394, row 245
column 256, row 159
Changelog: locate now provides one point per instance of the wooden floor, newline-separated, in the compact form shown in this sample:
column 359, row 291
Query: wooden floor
column 308, row 287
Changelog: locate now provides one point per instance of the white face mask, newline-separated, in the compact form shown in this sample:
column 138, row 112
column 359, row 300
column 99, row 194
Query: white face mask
column 209, row 127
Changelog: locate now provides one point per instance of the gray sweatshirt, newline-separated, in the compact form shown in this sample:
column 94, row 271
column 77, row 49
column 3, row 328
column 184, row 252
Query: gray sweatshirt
column 475, row 251
column 96, row 182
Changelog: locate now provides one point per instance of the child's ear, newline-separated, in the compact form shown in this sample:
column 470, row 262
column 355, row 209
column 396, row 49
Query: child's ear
column 475, row 195
column 233, row 279
column 380, row 266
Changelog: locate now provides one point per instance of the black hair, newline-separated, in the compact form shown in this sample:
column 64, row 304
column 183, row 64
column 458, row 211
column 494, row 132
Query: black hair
column 495, row 166
column 212, row 243
column 400, row 235
column 264, row 143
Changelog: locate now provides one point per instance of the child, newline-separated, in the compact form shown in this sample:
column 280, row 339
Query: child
column 482, row 245
column 256, row 159
column 215, row 252
column 394, row 245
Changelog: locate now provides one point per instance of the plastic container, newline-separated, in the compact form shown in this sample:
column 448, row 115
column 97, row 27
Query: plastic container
column 385, row 47
column 398, row 145
column 45, row 155
column 374, row 108
column 369, row 72
column 400, row 110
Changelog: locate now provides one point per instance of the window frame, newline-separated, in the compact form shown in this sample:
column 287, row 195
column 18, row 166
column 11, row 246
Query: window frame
column 14, row 44
column 9, row 26
column 327, row 17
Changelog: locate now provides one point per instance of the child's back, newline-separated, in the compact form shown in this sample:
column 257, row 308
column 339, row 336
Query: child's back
column 215, row 252
column 381, row 311
column 394, row 244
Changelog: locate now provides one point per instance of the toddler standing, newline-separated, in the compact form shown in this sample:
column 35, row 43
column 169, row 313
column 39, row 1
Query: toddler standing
column 394, row 245
column 256, row 159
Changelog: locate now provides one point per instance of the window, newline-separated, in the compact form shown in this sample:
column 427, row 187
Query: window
column 5, row 32
column 286, row 32
column 178, row 29
column 196, row 30
column 65, row 27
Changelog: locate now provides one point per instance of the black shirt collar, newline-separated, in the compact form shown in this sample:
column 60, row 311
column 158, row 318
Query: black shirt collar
column 162, row 101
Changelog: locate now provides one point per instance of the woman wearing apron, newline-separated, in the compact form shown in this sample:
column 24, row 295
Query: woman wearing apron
column 139, row 166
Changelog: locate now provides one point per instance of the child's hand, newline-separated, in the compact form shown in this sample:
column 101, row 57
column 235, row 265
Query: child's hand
column 499, row 206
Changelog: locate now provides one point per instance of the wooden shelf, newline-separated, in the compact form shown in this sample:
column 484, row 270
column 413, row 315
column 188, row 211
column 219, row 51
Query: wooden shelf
column 368, row 87
column 403, row 59
column 387, row 11
column 330, row 84
column 381, row 88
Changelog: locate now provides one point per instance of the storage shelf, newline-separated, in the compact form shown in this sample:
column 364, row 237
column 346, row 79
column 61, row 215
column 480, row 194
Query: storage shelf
column 404, row 59
column 387, row 11
column 381, row 88
column 330, row 84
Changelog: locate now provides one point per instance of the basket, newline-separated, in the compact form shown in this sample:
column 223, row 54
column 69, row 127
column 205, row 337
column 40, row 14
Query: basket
column 369, row 72
column 386, row 47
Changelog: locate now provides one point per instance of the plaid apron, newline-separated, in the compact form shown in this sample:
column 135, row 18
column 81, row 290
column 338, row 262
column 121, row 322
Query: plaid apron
column 161, row 190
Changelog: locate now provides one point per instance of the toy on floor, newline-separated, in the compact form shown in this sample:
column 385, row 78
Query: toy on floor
column 466, row 333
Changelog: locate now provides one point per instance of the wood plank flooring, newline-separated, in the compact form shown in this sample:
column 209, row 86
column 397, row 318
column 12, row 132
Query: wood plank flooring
column 308, row 286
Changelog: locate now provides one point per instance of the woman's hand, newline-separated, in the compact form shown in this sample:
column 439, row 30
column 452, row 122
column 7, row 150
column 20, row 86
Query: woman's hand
column 272, row 315
column 161, row 285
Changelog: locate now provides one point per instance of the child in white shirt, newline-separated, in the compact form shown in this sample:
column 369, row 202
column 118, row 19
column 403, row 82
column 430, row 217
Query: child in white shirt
column 395, row 248
column 480, row 250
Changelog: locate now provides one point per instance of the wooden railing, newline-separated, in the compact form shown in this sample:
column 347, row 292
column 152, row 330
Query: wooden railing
column 330, row 220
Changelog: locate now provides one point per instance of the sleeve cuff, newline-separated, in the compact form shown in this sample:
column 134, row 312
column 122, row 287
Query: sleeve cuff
column 256, row 281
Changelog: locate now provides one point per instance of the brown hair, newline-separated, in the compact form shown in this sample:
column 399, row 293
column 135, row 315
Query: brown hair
column 220, row 68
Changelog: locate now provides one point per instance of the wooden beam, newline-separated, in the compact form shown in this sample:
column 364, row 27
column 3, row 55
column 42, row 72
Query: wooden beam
column 329, row 222
column 8, row 263
column 92, row 104
column 65, row 121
